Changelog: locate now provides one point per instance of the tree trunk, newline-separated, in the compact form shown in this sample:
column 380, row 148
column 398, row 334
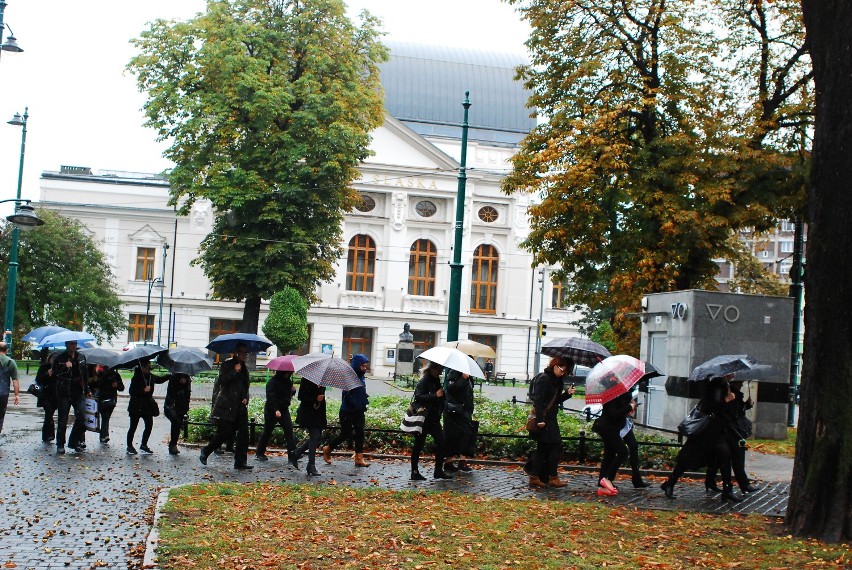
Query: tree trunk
column 821, row 491
column 251, row 317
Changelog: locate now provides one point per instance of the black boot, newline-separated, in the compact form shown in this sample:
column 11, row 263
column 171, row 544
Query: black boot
column 712, row 486
column 668, row 489
column 728, row 495
column 638, row 483
column 439, row 474
column 416, row 476
column 449, row 467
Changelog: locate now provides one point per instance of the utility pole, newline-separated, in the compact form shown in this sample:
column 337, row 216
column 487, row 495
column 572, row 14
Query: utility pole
column 456, row 266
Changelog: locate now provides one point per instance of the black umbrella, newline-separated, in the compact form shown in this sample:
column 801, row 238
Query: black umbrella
column 582, row 351
column 130, row 358
column 99, row 356
column 722, row 365
column 183, row 360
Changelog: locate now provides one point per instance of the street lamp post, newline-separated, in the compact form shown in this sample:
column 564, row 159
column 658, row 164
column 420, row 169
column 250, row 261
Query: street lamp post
column 456, row 266
column 24, row 219
column 155, row 282
column 162, row 289
column 11, row 44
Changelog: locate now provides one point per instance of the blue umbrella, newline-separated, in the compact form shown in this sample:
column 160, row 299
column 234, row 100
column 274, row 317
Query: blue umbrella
column 226, row 343
column 38, row 334
column 60, row 338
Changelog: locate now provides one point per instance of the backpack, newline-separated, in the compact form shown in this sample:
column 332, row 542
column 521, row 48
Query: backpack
column 5, row 380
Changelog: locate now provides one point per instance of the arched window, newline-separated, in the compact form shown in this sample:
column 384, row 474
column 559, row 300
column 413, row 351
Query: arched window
column 483, row 281
column 421, row 268
column 361, row 263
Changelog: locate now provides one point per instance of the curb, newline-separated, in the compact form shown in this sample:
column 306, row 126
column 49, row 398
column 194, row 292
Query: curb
column 150, row 558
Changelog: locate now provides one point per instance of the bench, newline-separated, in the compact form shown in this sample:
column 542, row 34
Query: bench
column 500, row 378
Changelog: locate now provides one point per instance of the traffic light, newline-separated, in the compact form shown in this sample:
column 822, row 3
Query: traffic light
column 542, row 329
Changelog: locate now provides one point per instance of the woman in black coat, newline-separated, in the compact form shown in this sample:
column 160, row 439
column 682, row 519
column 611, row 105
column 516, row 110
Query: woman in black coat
column 47, row 400
column 142, row 404
column 430, row 394
column 178, row 393
column 608, row 426
column 109, row 384
column 311, row 416
column 738, row 429
column 276, row 410
column 459, row 430
column 709, row 445
column 548, row 392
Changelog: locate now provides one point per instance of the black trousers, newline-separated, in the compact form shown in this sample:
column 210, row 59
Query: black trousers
column 238, row 430
column 269, row 423
column 433, row 429
column 351, row 427
column 106, row 414
column 614, row 453
column 310, row 445
column 545, row 459
column 737, row 465
column 78, row 430
column 146, row 432
column 48, row 427
column 633, row 448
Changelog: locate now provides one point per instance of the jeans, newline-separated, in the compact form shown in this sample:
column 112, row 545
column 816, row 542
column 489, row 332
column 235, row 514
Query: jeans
column 78, row 430
column 314, row 435
column 106, row 414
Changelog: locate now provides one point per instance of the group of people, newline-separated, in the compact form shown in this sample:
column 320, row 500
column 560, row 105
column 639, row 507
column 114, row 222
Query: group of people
column 66, row 380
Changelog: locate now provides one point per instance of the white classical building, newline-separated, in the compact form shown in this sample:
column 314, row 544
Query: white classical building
column 398, row 243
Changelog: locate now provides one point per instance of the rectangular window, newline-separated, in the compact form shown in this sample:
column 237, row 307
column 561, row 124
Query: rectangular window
column 423, row 340
column 357, row 340
column 145, row 263
column 223, row 326
column 140, row 328
column 786, row 246
column 558, row 293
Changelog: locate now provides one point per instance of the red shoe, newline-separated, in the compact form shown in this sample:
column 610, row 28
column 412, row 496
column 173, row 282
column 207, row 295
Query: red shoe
column 604, row 492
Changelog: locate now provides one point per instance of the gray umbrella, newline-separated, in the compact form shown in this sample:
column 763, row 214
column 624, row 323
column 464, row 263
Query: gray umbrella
column 582, row 351
column 130, row 358
column 722, row 365
column 99, row 356
column 185, row 360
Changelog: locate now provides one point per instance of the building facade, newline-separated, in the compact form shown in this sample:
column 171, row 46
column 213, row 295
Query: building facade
column 398, row 242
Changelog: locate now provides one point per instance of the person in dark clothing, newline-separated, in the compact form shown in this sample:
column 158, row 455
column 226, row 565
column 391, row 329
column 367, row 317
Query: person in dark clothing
column 230, row 412
column 72, row 384
column 548, row 392
column 608, row 426
column 738, row 429
column 229, row 443
column 311, row 416
column 629, row 438
column 142, row 405
column 176, row 405
column 430, row 394
column 352, row 414
column 459, row 429
column 279, row 394
column 709, row 445
column 47, row 400
column 109, row 384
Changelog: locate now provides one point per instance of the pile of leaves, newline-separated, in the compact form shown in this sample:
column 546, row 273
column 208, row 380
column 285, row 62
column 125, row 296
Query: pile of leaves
column 304, row 526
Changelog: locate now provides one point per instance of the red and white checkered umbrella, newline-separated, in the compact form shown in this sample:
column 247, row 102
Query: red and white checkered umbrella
column 614, row 376
column 326, row 370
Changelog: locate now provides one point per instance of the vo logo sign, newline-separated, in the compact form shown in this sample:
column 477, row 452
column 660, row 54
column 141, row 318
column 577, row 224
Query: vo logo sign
column 679, row 311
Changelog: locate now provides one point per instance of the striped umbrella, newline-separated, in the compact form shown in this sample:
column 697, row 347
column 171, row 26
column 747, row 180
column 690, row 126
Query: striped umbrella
column 582, row 351
column 326, row 370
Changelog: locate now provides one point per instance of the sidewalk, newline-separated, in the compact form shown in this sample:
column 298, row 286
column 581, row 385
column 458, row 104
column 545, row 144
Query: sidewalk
column 93, row 509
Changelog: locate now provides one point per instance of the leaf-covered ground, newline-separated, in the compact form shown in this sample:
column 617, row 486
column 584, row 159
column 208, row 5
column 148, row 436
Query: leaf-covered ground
column 308, row 526
column 785, row 447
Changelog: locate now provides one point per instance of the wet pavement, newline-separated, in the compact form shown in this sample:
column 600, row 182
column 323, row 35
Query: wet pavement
column 94, row 509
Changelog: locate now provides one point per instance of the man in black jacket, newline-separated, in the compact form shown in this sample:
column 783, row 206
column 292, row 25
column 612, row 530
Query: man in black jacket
column 72, row 385
column 230, row 411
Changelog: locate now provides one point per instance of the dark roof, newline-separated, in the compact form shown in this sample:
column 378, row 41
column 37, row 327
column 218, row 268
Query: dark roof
column 425, row 86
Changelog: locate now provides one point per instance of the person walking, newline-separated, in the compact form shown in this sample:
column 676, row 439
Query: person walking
column 47, row 399
column 276, row 411
column 72, row 385
column 352, row 414
column 109, row 384
column 738, row 428
column 459, row 428
column 311, row 416
column 142, row 405
column 230, row 412
column 548, row 392
column 429, row 393
column 613, row 419
column 710, row 444
column 176, row 405
column 629, row 436
column 8, row 382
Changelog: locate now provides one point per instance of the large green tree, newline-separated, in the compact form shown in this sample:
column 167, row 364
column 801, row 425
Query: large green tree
column 653, row 148
column 63, row 279
column 821, row 491
column 268, row 105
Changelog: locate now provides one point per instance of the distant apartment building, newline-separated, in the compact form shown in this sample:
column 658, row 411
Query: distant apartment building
column 773, row 249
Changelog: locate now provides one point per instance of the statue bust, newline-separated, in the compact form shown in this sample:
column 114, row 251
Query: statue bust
column 405, row 335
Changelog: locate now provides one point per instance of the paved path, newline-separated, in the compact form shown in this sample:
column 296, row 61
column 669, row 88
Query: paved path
column 93, row 509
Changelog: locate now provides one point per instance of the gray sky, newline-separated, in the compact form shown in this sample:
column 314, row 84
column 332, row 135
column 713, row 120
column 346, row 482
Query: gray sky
column 84, row 109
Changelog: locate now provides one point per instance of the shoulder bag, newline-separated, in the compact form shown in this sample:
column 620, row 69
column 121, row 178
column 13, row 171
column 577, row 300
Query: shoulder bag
column 695, row 422
column 532, row 421
column 414, row 418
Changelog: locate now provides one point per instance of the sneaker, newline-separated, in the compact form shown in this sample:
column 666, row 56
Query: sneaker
column 60, row 450
column 146, row 450
column 261, row 457
column 131, row 450
column 104, row 440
